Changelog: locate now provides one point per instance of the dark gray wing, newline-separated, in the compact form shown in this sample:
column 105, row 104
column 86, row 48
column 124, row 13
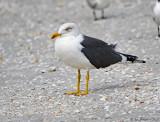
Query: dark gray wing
column 99, row 53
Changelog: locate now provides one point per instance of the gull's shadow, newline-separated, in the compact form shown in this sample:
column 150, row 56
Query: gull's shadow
column 111, row 17
column 104, row 87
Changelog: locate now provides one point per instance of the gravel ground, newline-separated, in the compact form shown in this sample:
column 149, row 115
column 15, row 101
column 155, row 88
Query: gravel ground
column 29, row 92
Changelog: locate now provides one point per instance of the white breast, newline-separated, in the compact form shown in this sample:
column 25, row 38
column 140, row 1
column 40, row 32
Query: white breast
column 68, row 49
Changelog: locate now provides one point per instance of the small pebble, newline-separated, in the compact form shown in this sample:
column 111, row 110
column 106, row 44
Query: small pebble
column 104, row 98
column 52, row 69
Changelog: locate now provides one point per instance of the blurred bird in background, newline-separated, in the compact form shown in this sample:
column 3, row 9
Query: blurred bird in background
column 156, row 15
column 98, row 5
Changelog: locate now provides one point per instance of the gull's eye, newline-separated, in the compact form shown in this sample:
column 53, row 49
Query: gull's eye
column 69, row 28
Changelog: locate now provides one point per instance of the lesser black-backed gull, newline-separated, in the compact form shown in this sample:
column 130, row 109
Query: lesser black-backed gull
column 84, row 52
column 156, row 15
column 98, row 5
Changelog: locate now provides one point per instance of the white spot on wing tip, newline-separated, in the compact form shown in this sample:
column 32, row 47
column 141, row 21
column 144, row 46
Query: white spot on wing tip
column 124, row 58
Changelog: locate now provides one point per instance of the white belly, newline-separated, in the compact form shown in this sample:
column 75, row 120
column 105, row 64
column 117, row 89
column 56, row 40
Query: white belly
column 98, row 4
column 101, row 4
column 156, row 11
column 69, row 51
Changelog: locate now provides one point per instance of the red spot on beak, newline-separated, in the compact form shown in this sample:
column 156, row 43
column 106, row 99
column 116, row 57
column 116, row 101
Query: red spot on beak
column 53, row 37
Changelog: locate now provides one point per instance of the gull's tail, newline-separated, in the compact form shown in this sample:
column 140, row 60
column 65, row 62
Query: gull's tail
column 131, row 58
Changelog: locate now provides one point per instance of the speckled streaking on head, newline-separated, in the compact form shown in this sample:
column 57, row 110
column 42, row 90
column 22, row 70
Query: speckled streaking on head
column 98, row 5
column 156, row 15
column 83, row 52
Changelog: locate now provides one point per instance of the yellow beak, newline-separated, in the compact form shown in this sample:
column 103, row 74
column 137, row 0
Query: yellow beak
column 55, row 35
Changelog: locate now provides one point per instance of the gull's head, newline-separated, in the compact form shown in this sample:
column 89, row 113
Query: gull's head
column 66, row 29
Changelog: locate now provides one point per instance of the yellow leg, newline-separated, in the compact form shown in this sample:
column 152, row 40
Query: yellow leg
column 78, row 84
column 87, row 81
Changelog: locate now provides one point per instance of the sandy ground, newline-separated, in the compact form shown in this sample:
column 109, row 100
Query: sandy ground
column 119, row 93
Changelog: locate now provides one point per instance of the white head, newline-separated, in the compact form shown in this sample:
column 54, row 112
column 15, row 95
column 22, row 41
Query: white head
column 66, row 29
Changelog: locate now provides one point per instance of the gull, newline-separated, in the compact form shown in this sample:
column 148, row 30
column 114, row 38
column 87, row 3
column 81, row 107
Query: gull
column 98, row 5
column 84, row 52
column 156, row 15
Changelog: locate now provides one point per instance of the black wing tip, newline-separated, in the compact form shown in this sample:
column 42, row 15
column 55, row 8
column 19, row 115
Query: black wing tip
column 139, row 61
column 143, row 61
